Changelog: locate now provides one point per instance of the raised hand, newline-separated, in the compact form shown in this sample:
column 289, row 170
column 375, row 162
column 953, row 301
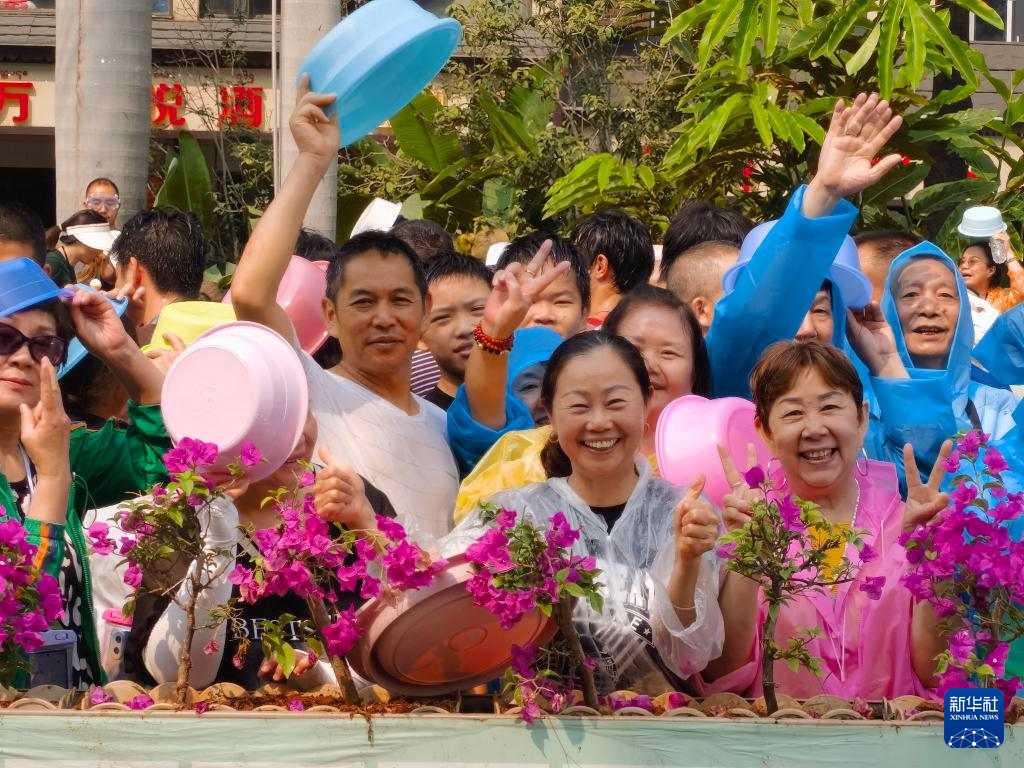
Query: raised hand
column 736, row 504
column 924, row 500
column 873, row 340
column 46, row 429
column 97, row 325
column 315, row 134
column 340, row 494
column 856, row 136
column 514, row 290
column 696, row 524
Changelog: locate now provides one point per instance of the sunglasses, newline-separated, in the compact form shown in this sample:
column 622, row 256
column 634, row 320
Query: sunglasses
column 102, row 202
column 52, row 348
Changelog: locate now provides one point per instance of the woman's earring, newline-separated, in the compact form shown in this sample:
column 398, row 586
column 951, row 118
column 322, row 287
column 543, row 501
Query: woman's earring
column 553, row 438
column 863, row 455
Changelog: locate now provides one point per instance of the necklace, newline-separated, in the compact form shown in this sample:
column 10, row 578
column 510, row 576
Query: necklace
column 856, row 509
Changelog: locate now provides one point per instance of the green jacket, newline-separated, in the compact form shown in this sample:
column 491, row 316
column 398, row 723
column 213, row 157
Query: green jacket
column 107, row 466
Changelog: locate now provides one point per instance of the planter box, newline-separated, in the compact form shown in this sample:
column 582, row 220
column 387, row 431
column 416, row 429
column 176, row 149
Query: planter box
column 162, row 739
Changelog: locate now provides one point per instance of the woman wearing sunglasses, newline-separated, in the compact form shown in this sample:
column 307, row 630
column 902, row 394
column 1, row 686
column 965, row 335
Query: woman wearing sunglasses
column 49, row 476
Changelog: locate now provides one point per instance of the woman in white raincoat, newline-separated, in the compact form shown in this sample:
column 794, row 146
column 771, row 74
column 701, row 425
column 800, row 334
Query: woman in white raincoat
column 661, row 622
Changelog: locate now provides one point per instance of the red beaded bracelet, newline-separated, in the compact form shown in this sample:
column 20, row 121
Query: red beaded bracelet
column 489, row 343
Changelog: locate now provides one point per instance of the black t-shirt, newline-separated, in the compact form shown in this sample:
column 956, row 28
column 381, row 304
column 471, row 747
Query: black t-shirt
column 149, row 609
column 441, row 399
column 610, row 514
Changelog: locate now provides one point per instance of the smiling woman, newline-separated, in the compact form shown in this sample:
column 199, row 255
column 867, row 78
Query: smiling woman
column 874, row 641
column 38, row 454
column 660, row 621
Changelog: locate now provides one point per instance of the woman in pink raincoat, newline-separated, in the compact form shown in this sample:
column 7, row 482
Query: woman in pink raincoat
column 875, row 641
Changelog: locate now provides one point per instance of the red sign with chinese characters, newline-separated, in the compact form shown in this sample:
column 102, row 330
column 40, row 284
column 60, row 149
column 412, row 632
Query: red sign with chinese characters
column 167, row 100
column 241, row 105
column 17, row 92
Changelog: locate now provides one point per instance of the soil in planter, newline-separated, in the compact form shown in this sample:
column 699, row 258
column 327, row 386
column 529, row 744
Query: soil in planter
column 368, row 709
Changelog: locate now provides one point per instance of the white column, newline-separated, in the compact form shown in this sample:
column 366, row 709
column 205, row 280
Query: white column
column 303, row 23
column 103, row 66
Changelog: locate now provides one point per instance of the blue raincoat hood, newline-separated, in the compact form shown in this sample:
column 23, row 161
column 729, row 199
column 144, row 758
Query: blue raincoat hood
column 531, row 346
column 957, row 373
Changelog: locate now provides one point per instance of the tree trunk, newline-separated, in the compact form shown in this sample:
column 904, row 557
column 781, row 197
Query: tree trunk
column 103, row 75
column 563, row 614
column 185, row 663
column 303, row 23
column 318, row 611
column 768, row 662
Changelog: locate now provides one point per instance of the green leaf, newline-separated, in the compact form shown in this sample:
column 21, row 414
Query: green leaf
column 717, row 120
column 760, row 117
column 691, row 19
column 808, row 126
column 508, row 131
column 901, row 180
column 955, row 48
column 890, row 24
column 646, row 176
column 856, row 62
column 417, row 138
column 604, row 173
column 533, row 107
column 770, row 26
column 497, row 198
column 743, row 38
column 717, row 28
column 983, row 11
column 187, row 184
column 839, row 29
column 573, row 589
column 805, row 12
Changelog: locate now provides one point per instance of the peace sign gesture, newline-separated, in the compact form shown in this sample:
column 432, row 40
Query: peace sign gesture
column 46, row 429
column 695, row 523
column 924, row 500
column 515, row 289
column 736, row 503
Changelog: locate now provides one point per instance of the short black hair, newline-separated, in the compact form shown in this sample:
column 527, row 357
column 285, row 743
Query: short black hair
column 889, row 243
column 696, row 222
column 171, row 246
column 20, row 224
column 523, row 249
column 373, row 240
column 314, row 246
column 102, row 180
column 427, row 239
column 455, row 264
column 624, row 241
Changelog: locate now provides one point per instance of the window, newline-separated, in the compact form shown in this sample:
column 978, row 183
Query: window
column 1012, row 14
column 160, row 7
column 239, row 9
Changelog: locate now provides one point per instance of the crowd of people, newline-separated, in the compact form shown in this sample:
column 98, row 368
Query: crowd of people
column 537, row 385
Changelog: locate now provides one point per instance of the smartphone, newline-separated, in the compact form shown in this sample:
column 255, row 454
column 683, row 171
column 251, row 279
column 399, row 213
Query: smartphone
column 50, row 664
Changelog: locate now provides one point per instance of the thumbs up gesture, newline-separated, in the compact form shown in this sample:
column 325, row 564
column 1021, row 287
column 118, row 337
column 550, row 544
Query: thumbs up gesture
column 340, row 495
column 696, row 524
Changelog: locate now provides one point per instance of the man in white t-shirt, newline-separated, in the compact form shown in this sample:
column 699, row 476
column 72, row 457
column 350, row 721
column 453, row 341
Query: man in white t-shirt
column 375, row 306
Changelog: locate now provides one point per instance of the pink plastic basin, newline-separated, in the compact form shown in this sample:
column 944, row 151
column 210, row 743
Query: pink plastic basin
column 237, row 382
column 300, row 294
column 689, row 430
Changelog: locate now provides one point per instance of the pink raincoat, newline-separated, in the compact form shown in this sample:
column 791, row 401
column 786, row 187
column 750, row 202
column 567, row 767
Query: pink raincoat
column 864, row 647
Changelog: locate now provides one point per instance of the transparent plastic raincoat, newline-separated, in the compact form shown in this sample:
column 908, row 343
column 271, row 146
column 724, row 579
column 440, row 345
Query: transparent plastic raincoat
column 637, row 640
